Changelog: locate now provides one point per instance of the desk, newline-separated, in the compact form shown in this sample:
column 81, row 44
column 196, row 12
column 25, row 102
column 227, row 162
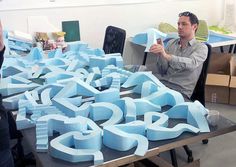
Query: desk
column 116, row 158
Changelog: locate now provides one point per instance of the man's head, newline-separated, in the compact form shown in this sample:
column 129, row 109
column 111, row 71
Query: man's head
column 187, row 25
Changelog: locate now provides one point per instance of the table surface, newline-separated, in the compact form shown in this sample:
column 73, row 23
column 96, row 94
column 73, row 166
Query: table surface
column 117, row 158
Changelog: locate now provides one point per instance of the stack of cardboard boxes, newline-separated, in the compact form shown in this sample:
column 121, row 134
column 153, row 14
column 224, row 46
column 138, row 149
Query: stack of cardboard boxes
column 221, row 79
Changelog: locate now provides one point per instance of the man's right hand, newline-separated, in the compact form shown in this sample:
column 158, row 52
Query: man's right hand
column 1, row 37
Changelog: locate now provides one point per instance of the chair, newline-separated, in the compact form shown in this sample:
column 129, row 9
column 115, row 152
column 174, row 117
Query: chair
column 198, row 94
column 72, row 30
column 114, row 40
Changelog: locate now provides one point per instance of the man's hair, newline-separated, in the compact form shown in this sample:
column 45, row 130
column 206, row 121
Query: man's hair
column 192, row 17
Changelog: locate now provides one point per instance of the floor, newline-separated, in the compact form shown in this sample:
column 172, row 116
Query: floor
column 220, row 151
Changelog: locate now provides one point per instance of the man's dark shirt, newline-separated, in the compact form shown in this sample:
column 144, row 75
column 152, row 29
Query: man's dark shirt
column 4, row 127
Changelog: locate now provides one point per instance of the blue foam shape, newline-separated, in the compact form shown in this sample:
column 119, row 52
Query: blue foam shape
column 62, row 77
column 128, row 106
column 35, row 55
column 70, row 108
column 56, row 53
column 152, row 36
column 19, row 80
column 82, row 71
column 12, row 101
column 160, row 119
column 55, row 88
column 155, row 133
column 108, row 95
column 104, row 111
column 12, row 70
column 77, row 87
column 123, row 137
column 47, row 124
column 91, row 77
column 46, row 96
column 101, row 62
column 56, row 62
column 142, row 38
column 140, row 77
column 92, row 51
column 192, row 112
column 21, row 121
column 143, row 106
column 148, row 88
column 10, row 89
column 30, row 98
column 46, row 69
column 76, row 46
column 61, row 148
column 165, row 96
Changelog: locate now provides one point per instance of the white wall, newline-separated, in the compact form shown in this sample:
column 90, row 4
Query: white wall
column 133, row 18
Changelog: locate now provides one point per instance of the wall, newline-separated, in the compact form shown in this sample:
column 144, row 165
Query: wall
column 132, row 17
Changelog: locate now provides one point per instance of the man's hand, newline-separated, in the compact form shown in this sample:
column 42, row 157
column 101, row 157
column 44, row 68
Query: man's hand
column 1, row 37
column 160, row 50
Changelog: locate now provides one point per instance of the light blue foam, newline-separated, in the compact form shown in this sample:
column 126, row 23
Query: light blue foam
column 60, row 147
column 123, row 137
column 104, row 111
column 192, row 112
column 140, row 77
column 165, row 96
column 155, row 133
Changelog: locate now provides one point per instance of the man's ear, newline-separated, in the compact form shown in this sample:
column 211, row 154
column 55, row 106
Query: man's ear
column 195, row 26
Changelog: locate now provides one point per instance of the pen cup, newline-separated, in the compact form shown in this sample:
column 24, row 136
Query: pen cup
column 213, row 117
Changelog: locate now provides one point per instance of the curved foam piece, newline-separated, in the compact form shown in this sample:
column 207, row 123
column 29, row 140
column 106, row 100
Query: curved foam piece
column 192, row 112
column 159, row 118
column 46, row 97
column 45, row 126
column 30, row 98
column 143, row 106
column 128, row 106
column 140, row 77
column 56, row 62
column 104, row 110
column 148, row 88
column 165, row 96
column 126, row 136
column 55, row 88
column 61, row 148
column 77, row 87
column 155, row 133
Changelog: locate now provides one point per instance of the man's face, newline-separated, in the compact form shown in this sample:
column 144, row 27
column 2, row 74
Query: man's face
column 185, row 28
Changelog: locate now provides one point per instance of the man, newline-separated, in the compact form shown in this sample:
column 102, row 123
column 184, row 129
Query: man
column 180, row 64
column 5, row 151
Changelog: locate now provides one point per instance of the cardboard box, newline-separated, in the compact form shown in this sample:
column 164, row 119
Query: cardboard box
column 218, row 78
column 232, row 85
